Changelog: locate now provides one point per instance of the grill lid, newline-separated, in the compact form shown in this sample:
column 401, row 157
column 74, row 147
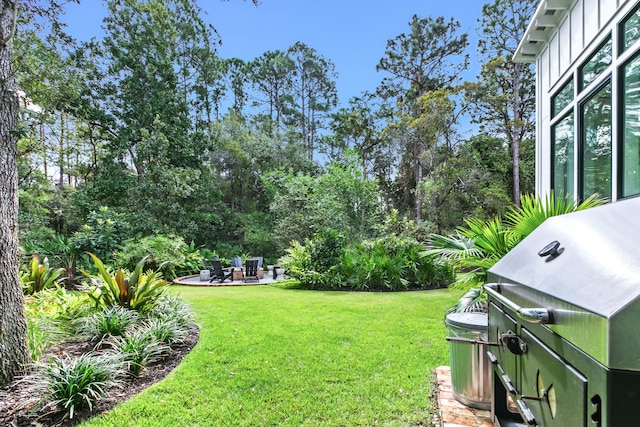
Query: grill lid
column 596, row 265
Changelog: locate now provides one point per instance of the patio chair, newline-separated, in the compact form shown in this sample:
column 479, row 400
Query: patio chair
column 251, row 270
column 236, row 261
column 217, row 272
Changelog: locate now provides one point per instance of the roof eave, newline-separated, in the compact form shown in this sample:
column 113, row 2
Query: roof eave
column 545, row 20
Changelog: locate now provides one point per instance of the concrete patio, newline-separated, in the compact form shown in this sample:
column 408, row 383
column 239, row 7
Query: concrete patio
column 195, row 280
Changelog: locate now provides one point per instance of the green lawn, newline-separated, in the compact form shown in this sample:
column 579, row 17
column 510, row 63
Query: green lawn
column 271, row 356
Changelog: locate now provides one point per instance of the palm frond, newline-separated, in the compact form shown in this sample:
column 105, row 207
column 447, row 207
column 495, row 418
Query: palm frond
column 533, row 211
column 491, row 237
column 474, row 300
column 453, row 248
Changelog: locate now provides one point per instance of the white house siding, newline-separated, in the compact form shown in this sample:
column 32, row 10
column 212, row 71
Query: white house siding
column 576, row 33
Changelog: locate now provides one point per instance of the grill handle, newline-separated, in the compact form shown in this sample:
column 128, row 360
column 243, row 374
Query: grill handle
column 529, row 314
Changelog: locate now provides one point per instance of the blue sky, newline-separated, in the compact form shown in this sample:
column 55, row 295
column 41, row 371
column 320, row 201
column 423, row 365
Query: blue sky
column 350, row 33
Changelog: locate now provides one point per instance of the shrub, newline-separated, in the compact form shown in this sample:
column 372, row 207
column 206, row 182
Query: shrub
column 71, row 384
column 102, row 234
column 298, row 265
column 137, row 292
column 39, row 276
column 168, row 254
column 393, row 263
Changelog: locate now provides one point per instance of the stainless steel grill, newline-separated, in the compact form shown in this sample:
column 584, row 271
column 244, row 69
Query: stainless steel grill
column 564, row 313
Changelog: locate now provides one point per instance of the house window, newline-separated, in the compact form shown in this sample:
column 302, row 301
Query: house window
column 562, row 98
column 596, row 64
column 630, row 29
column 630, row 150
column 596, row 144
column 563, row 157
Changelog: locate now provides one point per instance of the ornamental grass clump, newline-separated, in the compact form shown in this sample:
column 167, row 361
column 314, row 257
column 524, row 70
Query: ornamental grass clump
column 172, row 308
column 103, row 323
column 138, row 349
column 166, row 331
column 68, row 385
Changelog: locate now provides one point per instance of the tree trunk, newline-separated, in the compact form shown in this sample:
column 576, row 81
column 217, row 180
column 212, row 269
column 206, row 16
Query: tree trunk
column 419, row 176
column 14, row 352
column 61, row 153
column 516, row 136
column 43, row 141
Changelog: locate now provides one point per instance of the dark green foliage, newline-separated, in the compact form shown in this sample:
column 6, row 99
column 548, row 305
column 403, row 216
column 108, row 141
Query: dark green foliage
column 386, row 264
column 474, row 182
column 168, row 254
column 340, row 199
column 391, row 264
column 258, row 238
column 102, row 234
column 298, row 265
column 325, row 250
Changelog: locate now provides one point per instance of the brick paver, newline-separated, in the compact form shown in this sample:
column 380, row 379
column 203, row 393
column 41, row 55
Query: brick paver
column 452, row 412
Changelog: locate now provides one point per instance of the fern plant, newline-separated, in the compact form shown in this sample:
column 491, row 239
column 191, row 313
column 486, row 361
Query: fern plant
column 138, row 292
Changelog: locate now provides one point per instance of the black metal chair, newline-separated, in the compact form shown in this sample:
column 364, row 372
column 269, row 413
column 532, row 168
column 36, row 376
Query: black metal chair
column 251, row 270
column 217, row 272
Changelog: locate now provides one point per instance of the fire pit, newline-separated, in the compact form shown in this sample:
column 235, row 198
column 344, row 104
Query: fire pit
column 564, row 322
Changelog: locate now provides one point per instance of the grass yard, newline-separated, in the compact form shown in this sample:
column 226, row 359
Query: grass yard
column 269, row 356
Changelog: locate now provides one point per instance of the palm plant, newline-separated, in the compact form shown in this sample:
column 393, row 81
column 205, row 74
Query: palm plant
column 533, row 211
column 474, row 249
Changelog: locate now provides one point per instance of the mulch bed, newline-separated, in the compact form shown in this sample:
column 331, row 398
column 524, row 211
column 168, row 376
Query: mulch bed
column 12, row 415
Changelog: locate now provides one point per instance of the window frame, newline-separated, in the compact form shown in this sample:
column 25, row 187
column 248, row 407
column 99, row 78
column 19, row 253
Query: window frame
column 560, row 119
column 620, row 123
column 581, row 141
